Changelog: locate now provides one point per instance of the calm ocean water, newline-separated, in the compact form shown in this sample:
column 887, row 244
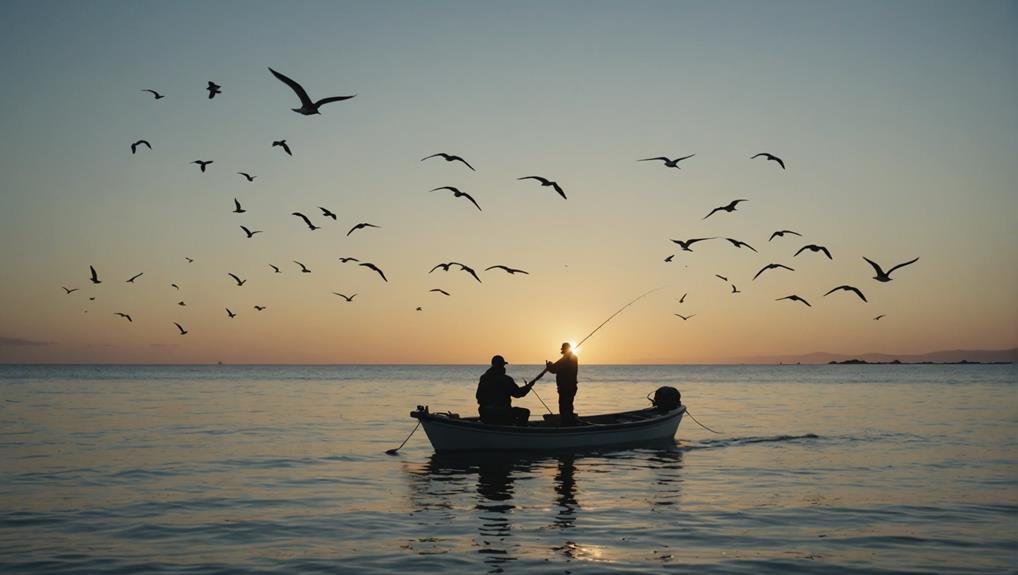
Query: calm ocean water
column 233, row 469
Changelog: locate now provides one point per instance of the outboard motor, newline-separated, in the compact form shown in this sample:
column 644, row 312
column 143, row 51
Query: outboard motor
column 667, row 398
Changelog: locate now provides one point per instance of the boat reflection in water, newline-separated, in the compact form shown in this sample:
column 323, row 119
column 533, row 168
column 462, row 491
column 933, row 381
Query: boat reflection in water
column 529, row 507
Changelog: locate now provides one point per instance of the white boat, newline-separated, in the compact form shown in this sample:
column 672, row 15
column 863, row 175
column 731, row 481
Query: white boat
column 643, row 427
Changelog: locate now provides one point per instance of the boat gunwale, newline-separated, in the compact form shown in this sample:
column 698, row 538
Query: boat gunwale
column 474, row 424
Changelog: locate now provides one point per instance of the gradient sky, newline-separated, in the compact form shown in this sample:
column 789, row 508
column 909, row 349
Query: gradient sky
column 898, row 122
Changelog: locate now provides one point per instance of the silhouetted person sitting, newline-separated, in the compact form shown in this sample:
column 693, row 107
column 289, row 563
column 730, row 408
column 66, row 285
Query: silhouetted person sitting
column 565, row 370
column 495, row 391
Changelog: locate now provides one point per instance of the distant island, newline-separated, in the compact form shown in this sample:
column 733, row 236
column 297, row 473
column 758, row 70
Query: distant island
column 952, row 357
column 899, row 362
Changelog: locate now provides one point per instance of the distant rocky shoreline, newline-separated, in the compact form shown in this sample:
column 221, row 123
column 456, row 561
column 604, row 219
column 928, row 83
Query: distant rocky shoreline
column 899, row 362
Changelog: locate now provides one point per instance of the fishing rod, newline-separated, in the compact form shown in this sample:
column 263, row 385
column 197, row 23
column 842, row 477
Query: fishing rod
column 603, row 323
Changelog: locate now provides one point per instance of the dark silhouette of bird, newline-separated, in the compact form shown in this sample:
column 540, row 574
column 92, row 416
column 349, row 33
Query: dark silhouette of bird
column 445, row 267
column 883, row 276
column 509, row 270
column 303, row 268
column 771, row 267
column 669, row 258
column 326, row 213
column 685, row 244
column 131, row 279
column 419, row 308
column 721, row 277
column 847, row 288
column 213, row 89
column 770, row 157
column 729, row 208
column 669, row 163
column 181, row 328
column 175, row 286
column 441, row 291
column 781, row 234
column 815, row 248
column 361, row 226
column 468, row 269
column 344, row 260
column 449, row 158
column 346, row 297
column 545, row 182
column 239, row 281
column 684, row 317
column 202, row 164
column 879, row 316
column 70, row 290
column 155, row 95
column 247, row 176
column 794, row 297
column 458, row 194
column 236, row 207
column 260, row 308
column 250, row 233
column 735, row 289
column 307, row 221
column 181, row 303
column 95, row 276
column 91, row 298
column 189, row 260
column 740, row 244
column 230, row 314
column 134, row 146
column 282, row 144
column 307, row 107
column 125, row 316
column 275, row 269
column 372, row 266
column 683, row 298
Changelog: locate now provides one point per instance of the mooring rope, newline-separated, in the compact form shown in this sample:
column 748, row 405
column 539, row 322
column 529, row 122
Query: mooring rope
column 700, row 424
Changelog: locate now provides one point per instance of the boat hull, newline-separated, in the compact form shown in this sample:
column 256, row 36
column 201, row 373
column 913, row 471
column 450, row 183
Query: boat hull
column 647, row 427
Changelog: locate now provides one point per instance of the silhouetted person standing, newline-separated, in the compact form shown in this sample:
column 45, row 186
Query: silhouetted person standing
column 495, row 391
column 565, row 370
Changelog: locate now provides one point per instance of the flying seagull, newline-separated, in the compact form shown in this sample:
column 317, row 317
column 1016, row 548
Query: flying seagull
column 346, row 297
column 683, row 298
column 175, row 286
column 545, row 182
column 794, row 297
column 771, row 157
column 260, row 307
column 740, row 244
column 181, row 328
column 303, row 268
column 669, row 163
column 282, row 144
column 275, row 269
column 685, row 244
column 361, row 226
column 155, row 94
column 306, row 221
column 684, row 317
column 181, row 303
column 445, row 267
column 134, row 277
column 95, row 277
column 344, row 260
column 735, row 289
column 507, row 269
column 815, row 248
column 250, row 233
column 202, row 164
column 879, row 316
column 239, row 281
column 236, row 207
column 213, row 89
column 771, row 267
column 449, row 158
column 847, row 288
column 70, row 290
column 419, row 308
column 372, row 266
column 781, row 234
column 134, row 146
column 307, row 107
column 883, row 276
column 230, row 314
column 326, row 213
column 469, row 270
column 125, row 316
column 729, row 208
column 189, row 260
column 441, row 291
column 721, row 277
column 247, row 176
column 669, row 258
column 458, row 194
